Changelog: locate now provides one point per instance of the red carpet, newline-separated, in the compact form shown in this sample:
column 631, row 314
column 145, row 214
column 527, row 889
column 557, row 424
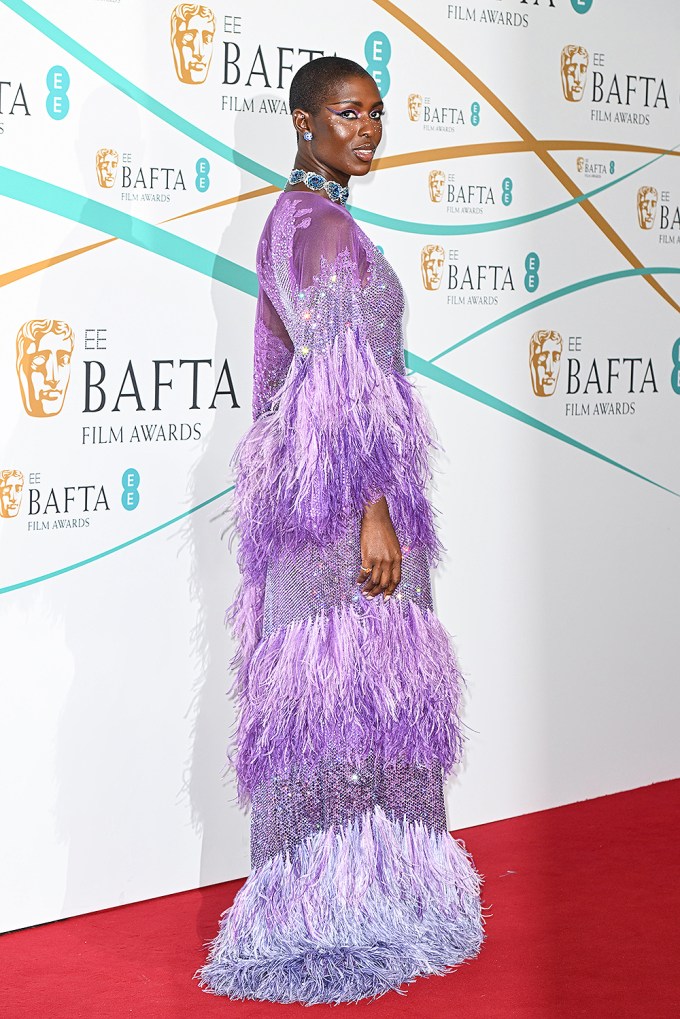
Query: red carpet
column 585, row 901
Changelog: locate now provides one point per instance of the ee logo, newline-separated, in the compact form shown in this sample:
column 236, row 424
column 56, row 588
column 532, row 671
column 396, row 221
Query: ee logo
column 474, row 114
column 202, row 174
column 57, row 102
column 675, row 376
column 378, row 51
column 506, row 193
column 532, row 264
column 130, row 483
column 581, row 6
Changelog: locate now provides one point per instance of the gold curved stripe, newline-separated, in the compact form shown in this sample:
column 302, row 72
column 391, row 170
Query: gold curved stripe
column 502, row 148
column 558, row 144
column 27, row 270
column 519, row 128
column 270, row 189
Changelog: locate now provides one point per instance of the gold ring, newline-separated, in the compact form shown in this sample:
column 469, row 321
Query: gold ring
column 367, row 569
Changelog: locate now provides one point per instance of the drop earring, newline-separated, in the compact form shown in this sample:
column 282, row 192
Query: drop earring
column 307, row 136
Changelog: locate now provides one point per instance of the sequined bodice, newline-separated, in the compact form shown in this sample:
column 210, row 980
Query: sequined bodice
column 281, row 326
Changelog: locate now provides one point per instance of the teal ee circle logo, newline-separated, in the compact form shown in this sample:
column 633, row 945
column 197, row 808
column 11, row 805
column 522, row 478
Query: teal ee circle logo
column 57, row 102
column 581, row 6
column 378, row 51
column 130, row 483
column 474, row 114
column 532, row 264
column 202, row 174
column 675, row 375
column 506, row 191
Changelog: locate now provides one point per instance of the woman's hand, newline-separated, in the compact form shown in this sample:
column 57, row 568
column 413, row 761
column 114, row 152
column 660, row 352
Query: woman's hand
column 380, row 550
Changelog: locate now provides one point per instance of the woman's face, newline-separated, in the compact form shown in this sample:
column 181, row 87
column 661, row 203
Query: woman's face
column 347, row 129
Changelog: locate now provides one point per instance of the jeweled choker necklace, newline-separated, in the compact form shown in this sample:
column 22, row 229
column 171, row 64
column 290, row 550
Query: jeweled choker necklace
column 316, row 182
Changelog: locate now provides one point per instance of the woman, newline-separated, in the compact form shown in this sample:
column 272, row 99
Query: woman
column 347, row 682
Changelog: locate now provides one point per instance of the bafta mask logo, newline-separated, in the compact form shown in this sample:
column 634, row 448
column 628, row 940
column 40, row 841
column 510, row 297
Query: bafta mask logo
column 545, row 355
column 415, row 106
column 107, row 167
column 432, row 266
column 192, row 30
column 647, row 201
column 580, row 164
column 44, row 351
column 436, row 182
column 11, row 487
column 574, row 72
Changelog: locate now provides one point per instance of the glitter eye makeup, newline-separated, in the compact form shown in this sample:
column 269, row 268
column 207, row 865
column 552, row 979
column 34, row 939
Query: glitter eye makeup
column 341, row 113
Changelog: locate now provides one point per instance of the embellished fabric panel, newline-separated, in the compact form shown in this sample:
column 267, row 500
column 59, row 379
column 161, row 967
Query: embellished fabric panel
column 321, row 271
column 315, row 578
column 286, row 810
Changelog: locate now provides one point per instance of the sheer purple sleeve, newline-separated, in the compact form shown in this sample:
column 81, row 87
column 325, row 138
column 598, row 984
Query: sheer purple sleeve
column 272, row 354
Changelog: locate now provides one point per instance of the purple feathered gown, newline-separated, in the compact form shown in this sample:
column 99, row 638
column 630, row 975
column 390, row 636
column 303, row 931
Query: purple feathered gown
column 348, row 706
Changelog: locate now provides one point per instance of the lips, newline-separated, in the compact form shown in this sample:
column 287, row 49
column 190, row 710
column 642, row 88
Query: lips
column 365, row 153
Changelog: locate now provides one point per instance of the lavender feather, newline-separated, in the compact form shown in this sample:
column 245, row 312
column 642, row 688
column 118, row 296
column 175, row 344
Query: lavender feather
column 352, row 913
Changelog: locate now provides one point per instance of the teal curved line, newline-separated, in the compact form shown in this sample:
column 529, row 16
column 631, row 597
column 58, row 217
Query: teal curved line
column 420, row 366
column 447, row 230
column 117, row 548
column 555, row 295
column 154, row 106
column 61, row 202
column 138, row 95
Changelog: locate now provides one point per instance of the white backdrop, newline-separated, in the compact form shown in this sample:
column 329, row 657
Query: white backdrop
column 131, row 202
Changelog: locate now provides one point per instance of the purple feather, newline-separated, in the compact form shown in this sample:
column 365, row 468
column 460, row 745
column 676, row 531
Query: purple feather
column 342, row 433
column 333, row 682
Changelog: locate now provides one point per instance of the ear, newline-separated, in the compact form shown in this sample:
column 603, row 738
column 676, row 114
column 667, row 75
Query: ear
column 301, row 121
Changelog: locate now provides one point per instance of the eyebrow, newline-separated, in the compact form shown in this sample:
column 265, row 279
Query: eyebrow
column 356, row 102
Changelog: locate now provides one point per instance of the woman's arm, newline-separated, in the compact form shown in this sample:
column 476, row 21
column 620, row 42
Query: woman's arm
column 380, row 549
